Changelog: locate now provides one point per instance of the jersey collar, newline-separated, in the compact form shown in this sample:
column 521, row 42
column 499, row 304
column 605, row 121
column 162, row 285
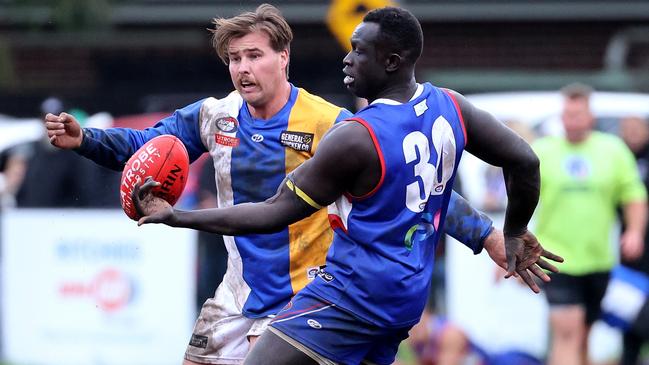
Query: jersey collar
column 420, row 89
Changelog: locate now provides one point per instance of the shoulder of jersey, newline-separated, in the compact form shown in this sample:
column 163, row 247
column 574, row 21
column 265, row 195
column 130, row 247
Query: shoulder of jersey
column 608, row 138
column 232, row 100
column 317, row 101
column 212, row 109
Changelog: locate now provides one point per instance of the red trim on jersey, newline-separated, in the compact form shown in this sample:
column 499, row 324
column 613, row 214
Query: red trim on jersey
column 299, row 311
column 336, row 222
column 459, row 113
column 378, row 150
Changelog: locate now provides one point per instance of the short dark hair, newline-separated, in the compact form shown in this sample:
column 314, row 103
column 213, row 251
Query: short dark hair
column 576, row 90
column 399, row 30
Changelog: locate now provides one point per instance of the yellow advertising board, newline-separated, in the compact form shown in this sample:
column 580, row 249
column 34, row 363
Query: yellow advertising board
column 344, row 15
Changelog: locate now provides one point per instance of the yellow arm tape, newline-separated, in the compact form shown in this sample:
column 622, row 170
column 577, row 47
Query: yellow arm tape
column 302, row 195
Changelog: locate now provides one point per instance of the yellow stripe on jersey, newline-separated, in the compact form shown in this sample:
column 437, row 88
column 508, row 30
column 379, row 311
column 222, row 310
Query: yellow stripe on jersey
column 302, row 195
column 309, row 239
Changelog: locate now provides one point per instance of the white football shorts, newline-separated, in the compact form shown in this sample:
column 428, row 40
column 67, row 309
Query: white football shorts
column 221, row 332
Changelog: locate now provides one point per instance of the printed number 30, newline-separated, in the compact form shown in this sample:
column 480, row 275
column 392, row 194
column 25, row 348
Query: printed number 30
column 433, row 176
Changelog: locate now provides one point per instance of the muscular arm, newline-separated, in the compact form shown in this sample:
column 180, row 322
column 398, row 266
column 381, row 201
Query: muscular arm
column 498, row 145
column 346, row 154
column 270, row 216
column 494, row 143
column 463, row 222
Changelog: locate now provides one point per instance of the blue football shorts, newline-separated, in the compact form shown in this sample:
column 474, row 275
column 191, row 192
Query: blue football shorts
column 336, row 334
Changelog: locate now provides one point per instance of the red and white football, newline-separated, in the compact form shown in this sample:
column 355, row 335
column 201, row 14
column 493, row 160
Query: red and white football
column 165, row 159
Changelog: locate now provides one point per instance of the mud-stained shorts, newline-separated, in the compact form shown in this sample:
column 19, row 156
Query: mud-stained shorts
column 221, row 331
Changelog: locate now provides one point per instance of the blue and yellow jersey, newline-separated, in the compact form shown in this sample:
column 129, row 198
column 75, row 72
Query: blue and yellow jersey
column 251, row 158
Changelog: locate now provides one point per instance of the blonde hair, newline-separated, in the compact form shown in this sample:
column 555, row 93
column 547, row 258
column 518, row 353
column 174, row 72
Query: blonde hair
column 265, row 18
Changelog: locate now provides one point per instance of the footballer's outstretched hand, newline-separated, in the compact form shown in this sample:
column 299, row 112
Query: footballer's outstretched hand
column 149, row 207
column 524, row 255
column 63, row 130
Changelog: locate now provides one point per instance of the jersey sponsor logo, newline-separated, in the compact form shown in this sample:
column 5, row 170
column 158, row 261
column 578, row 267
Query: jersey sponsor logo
column 300, row 141
column 312, row 272
column 198, row 341
column 257, row 137
column 226, row 140
column 423, row 230
column 325, row 275
column 227, row 124
column 313, row 324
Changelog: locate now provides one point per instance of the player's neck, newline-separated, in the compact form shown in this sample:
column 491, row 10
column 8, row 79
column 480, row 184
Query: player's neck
column 401, row 92
column 273, row 106
column 577, row 137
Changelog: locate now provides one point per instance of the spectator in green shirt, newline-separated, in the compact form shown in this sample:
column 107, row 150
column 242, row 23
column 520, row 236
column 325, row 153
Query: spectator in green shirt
column 585, row 175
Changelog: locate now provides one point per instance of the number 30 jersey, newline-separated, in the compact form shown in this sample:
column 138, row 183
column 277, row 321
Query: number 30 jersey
column 380, row 264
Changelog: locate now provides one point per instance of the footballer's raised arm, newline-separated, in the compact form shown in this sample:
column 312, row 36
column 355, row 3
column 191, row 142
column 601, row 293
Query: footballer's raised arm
column 496, row 144
column 112, row 147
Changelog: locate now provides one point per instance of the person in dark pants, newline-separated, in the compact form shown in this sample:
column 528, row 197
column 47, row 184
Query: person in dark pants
column 586, row 175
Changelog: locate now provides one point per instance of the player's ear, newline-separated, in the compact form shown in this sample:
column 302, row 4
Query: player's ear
column 284, row 57
column 392, row 62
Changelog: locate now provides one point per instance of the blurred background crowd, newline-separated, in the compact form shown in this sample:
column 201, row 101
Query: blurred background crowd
column 129, row 63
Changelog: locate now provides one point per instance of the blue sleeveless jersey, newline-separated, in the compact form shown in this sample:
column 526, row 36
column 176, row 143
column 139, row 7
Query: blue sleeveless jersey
column 380, row 264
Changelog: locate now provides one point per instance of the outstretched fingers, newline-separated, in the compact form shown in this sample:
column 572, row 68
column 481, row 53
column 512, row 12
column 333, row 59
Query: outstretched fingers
column 536, row 270
column 527, row 278
column 552, row 256
column 547, row 266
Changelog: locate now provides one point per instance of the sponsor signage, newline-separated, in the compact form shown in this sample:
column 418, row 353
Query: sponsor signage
column 90, row 287
column 297, row 140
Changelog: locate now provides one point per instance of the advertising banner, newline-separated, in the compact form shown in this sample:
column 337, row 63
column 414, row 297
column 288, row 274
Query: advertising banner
column 90, row 287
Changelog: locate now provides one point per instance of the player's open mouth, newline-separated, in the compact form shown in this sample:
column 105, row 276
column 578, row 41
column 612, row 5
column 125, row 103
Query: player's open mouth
column 348, row 80
column 247, row 86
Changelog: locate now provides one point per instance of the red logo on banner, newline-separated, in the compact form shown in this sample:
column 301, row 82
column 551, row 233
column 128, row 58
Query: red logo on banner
column 110, row 289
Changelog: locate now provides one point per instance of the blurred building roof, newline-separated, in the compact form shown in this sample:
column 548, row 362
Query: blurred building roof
column 17, row 12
